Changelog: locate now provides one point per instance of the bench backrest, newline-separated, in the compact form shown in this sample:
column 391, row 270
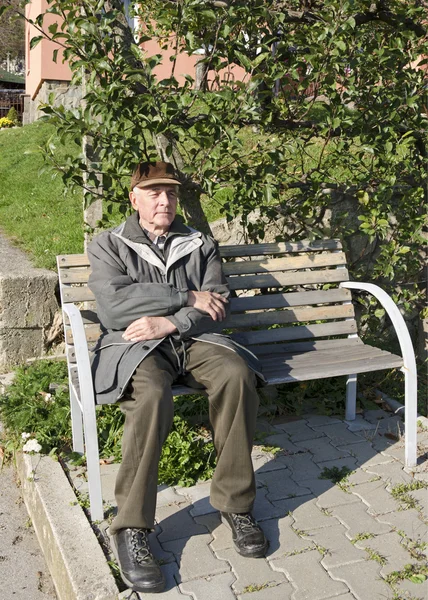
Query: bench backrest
column 286, row 295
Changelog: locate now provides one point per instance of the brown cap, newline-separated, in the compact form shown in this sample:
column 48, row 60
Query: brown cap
column 148, row 174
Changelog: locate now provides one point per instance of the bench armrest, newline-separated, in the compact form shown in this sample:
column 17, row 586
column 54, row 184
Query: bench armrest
column 80, row 346
column 408, row 368
column 87, row 403
column 396, row 317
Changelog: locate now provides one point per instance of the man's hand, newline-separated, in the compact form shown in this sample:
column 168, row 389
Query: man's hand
column 209, row 302
column 148, row 328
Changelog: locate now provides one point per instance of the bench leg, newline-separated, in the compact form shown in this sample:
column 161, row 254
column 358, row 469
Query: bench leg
column 351, row 397
column 410, row 414
column 76, row 422
column 92, row 459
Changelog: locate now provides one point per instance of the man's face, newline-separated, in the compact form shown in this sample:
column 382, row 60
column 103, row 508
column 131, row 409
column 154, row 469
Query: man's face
column 156, row 206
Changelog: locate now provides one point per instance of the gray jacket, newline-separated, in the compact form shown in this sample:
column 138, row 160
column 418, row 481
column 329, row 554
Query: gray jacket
column 131, row 278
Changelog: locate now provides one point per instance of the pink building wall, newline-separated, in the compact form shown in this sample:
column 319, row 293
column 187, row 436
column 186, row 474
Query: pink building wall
column 40, row 66
column 39, row 61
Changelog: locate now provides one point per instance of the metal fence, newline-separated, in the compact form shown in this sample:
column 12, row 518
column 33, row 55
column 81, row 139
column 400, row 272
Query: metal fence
column 9, row 99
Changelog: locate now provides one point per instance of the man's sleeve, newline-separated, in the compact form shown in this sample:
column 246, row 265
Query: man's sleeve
column 120, row 300
column 188, row 320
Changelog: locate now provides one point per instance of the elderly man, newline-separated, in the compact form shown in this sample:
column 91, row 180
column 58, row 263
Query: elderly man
column 161, row 298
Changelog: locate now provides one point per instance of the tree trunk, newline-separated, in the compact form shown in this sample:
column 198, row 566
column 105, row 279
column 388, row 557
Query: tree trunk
column 190, row 193
column 93, row 213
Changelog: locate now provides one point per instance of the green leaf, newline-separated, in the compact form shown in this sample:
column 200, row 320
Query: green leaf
column 341, row 45
column 55, row 55
column 417, row 578
column 53, row 28
column 35, row 40
column 244, row 60
column 259, row 59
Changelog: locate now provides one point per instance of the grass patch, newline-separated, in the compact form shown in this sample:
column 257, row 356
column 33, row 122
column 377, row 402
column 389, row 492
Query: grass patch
column 34, row 210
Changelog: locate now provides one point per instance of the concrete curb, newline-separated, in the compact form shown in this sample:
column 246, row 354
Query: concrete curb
column 74, row 557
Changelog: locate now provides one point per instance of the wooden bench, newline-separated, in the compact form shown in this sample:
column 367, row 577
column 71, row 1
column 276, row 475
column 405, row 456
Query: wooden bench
column 292, row 307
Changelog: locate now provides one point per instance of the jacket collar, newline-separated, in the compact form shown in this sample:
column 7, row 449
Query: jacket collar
column 134, row 232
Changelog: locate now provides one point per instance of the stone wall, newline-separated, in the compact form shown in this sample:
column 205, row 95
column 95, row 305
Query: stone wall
column 28, row 306
column 67, row 95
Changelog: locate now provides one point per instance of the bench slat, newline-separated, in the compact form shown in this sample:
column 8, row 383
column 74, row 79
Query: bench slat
column 227, row 251
column 365, row 365
column 247, row 282
column 299, row 332
column 325, row 357
column 88, row 317
column 263, row 301
column 309, row 346
column 276, row 317
column 288, row 263
column 319, row 313
column 73, row 260
column 76, row 294
column 81, row 275
column 74, row 275
column 266, row 349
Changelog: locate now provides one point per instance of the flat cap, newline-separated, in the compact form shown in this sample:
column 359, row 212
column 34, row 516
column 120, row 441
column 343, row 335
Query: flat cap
column 147, row 174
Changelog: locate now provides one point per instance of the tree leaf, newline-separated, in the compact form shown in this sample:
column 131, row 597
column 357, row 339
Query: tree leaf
column 35, row 40
column 244, row 60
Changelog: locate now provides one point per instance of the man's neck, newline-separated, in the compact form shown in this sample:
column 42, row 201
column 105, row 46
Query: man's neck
column 152, row 231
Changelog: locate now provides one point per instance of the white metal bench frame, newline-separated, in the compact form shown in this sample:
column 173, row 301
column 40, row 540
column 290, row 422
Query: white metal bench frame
column 82, row 400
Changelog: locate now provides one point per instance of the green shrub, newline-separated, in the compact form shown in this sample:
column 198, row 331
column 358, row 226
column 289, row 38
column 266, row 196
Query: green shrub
column 28, row 407
column 12, row 115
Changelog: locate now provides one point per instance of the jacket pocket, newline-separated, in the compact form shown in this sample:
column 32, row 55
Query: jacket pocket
column 104, row 367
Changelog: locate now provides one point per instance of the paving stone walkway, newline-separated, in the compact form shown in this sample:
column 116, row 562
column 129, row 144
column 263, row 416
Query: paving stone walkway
column 360, row 538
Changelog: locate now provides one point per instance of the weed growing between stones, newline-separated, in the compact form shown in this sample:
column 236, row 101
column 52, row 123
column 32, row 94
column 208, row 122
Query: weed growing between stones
column 365, row 535
column 338, row 476
column 373, row 555
column 401, row 493
column 415, row 548
column 28, row 407
column 416, row 573
column 254, row 587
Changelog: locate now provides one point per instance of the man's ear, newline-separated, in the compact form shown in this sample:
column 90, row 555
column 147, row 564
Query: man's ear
column 133, row 199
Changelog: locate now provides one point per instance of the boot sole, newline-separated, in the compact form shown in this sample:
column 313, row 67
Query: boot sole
column 150, row 589
column 259, row 553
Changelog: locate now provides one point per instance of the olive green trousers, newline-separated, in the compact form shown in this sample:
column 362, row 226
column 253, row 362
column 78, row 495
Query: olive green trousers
column 149, row 409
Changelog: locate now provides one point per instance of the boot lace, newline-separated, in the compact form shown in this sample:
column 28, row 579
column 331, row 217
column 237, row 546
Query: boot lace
column 244, row 522
column 140, row 546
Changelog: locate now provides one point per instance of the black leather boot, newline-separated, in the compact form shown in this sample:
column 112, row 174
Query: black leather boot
column 247, row 535
column 138, row 567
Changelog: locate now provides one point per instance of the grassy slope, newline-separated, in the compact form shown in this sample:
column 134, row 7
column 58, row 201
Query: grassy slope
column 34, row 212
